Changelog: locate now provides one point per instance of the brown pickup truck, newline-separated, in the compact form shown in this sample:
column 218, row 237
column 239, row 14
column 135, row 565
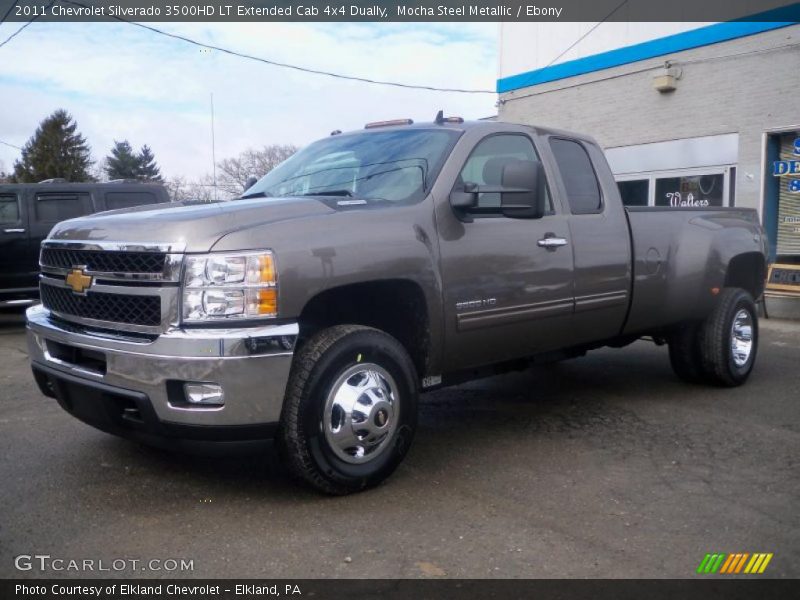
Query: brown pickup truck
column 368, row 267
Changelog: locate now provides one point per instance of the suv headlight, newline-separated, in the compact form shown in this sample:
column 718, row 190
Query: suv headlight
column 218, row 287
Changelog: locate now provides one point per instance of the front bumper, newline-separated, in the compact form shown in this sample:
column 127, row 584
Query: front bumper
column 134, row 386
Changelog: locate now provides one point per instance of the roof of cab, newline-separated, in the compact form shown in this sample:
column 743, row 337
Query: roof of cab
column 484, row 125
column 83, row 186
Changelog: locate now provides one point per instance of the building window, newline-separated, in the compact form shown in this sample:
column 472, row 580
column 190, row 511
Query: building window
column 687, row 188
column 690, row 191
column 635, row 192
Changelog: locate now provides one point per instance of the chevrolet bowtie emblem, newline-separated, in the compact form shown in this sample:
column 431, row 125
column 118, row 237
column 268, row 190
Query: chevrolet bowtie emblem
column 78, row 281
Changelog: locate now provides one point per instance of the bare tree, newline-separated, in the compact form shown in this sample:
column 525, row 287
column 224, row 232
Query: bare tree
column 233, row 173
column 201, row 189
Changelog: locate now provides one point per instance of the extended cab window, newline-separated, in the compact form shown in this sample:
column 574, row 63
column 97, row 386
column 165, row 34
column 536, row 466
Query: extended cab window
column 577, row 173
column 485, row 165
column 115, row 200
column 52, row 208
column 9, row 209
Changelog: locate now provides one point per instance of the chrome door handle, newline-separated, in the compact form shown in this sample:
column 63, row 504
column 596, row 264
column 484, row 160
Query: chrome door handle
column 13, row 231
column 551, row 242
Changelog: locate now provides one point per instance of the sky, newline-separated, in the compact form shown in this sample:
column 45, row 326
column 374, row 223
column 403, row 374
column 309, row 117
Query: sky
column 121, row 82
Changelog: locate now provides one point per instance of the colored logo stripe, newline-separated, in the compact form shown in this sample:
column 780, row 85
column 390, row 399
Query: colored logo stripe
column 738, row 562
column 710, row 563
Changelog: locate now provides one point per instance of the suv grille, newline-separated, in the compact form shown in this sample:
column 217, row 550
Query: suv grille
column 119, row 308
column 101, row 261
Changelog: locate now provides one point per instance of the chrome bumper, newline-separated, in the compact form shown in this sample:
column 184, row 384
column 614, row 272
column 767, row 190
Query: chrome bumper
column 251, row 364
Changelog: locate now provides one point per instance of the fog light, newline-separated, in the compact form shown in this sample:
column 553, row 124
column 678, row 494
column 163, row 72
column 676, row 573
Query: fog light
column 204, row 394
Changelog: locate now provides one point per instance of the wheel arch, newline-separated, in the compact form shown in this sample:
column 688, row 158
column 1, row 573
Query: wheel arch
column 396, row 306
column 747, row 271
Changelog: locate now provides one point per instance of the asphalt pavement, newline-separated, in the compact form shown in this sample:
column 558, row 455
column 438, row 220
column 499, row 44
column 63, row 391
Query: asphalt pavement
column 603, row 466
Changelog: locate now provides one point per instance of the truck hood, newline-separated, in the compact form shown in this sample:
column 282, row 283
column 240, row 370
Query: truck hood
column 196, row 225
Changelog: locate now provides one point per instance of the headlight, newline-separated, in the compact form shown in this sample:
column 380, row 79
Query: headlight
column 229, row 286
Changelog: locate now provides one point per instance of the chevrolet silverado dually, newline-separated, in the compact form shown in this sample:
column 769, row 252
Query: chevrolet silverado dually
column 368, row 267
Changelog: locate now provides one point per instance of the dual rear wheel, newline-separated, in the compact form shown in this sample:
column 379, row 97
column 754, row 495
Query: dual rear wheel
column 722, row 348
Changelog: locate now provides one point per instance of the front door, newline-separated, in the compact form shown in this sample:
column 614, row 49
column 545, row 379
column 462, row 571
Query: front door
column 508, row 289
column 17, row 269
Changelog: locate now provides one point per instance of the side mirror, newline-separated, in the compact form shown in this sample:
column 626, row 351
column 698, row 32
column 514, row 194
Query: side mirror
column 251, row 181
column 525, row 198
column 466, row 198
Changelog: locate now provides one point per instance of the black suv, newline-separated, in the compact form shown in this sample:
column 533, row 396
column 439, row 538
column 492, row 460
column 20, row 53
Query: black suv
column 28, row 212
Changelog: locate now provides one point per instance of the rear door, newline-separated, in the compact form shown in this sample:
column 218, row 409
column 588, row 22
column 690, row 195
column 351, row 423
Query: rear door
column 49, row 208
column 601, row 239
column 17, row 269
column 507, row 292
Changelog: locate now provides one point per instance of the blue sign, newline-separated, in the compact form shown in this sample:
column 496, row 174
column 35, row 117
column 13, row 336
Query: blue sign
column 785, row 167
column 790, row 168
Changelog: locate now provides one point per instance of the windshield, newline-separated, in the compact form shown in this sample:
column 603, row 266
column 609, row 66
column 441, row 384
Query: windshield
column 396, row 166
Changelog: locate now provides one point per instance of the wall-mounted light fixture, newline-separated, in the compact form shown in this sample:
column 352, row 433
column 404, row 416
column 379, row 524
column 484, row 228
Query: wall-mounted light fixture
column 666, row 79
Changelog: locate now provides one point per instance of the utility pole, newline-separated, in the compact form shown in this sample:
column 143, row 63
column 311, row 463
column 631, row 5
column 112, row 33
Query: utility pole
column 213, row 148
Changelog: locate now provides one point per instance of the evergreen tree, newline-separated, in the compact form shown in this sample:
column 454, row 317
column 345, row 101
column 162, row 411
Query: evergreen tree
column 122, row 163
column 54, row 150
column 148, row 168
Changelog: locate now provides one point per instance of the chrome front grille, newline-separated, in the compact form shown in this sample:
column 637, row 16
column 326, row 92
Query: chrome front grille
column 125, row 286
column 113, row 308
column 140, row 263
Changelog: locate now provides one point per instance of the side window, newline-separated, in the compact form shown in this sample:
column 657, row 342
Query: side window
column 52, row 208
column 116, row 200
column 577, row 173
column 9, row 209
column 485, row 165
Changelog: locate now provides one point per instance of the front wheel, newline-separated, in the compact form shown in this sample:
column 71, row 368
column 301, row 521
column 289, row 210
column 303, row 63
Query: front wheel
column 350, row 410
column 728, row 338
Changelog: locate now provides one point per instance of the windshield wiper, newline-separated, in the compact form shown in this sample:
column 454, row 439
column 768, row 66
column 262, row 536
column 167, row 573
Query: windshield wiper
column 347, row 193
column 256, row 195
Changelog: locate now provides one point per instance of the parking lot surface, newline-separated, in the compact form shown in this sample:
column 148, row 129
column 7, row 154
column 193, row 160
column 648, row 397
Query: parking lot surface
column 604, row 466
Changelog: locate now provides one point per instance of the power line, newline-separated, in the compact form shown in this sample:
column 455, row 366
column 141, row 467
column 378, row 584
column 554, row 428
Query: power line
column 287, row 65
column 20, row 30
column 15, row 34
column 702, row 59
column 585, row 35
column 692, row 61
column 8, row 12
column 11, row 145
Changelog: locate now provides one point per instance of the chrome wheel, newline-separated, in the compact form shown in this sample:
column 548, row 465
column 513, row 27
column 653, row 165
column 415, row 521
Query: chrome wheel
column 361, row 413
column 742, row 337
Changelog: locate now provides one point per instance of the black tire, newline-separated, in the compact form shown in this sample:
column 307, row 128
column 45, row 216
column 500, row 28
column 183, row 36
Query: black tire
column 318, row 365
column 684, row 353
column 715, row 336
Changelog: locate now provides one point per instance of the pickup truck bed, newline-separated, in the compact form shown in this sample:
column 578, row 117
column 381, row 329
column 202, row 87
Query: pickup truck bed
column 680, row 254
